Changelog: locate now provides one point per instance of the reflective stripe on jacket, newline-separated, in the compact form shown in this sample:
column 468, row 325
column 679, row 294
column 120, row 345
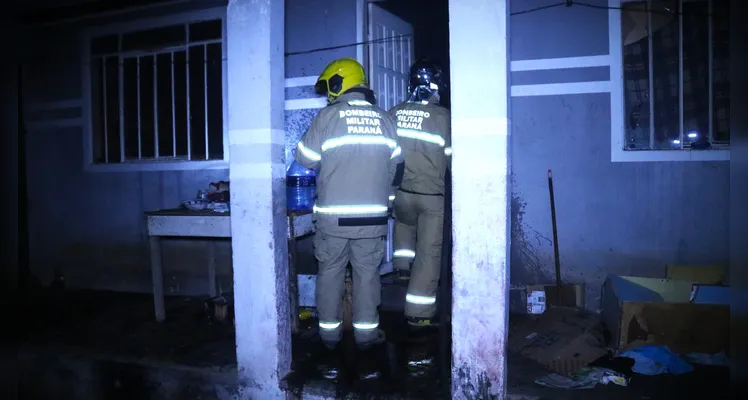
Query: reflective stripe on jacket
column 354, row 146
column 425, row 136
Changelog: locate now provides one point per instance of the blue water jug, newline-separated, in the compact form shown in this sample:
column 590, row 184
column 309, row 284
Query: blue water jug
column 301, row 188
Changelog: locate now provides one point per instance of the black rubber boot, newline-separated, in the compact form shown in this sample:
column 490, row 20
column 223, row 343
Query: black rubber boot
column 368, row 345
column 330, row 345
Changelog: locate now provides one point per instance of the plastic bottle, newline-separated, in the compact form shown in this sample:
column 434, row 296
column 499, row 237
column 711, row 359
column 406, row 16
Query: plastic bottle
column 301, row 188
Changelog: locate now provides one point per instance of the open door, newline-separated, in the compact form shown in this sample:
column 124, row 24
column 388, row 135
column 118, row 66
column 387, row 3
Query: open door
column 390, row 56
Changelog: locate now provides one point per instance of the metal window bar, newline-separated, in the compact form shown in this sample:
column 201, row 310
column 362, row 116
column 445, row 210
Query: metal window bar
column 205, row 95
column 173, row 112
column 680, row 74
column 155, row 107
column 710, row 73
column 187, row 96
column 121, row 78
column 138, row 55
column 137, row 80
column 161, row 50
column 106, row 111
column 650, row 89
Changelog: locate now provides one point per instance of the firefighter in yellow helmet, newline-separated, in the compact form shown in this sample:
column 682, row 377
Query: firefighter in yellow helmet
column 353, row 145
column 423, row 128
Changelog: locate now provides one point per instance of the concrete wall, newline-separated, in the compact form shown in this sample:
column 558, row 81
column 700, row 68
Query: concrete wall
column 613, row 218
column 89, row 226
column 311, row 26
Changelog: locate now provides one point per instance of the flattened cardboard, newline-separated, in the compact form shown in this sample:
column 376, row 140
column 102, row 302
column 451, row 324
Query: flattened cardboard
column 562, row 339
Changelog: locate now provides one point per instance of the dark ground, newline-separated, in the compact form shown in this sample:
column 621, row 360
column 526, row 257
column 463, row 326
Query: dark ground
column 120, row 327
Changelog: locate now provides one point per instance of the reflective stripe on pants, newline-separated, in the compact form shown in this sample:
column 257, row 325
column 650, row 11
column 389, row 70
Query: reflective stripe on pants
column 365, row 255
column 418, row 225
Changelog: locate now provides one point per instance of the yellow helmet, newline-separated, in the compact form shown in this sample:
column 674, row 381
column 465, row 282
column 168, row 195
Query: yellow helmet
column 339, row 76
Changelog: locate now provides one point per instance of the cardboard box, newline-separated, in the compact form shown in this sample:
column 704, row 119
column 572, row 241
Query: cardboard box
column 685, row 316
column 562, row 339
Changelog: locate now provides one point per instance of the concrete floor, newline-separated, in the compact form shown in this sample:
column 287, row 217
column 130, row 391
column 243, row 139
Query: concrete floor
column 95, row 345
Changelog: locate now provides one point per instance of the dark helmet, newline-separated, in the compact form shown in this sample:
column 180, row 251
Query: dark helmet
column 425, row 80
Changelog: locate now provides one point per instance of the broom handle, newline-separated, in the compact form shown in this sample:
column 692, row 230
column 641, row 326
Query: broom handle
column 555, row 233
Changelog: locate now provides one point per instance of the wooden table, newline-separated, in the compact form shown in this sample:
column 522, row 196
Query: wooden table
column 212, row 225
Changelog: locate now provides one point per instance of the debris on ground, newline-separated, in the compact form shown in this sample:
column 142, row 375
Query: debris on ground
column 562, row 339
column 218, row 308
column 656, row 360
column 586, row 378
column 719, row 359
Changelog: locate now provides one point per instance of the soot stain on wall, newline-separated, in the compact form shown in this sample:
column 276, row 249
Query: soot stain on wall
column 526, row 266
column 297, row 122
column 470, row 389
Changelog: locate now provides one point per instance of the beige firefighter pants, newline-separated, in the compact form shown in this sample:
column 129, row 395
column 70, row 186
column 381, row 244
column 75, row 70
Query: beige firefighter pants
column 419, row 220
column 365, row 256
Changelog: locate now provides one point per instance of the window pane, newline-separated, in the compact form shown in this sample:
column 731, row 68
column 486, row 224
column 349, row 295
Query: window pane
column 695, row 71
column 154, row 39
column 215, row 102
column 665, row 74
column 180, row 102
column 130, row 87
column 98, row 129
column 164, row 108
column 197, row 102
column 105, row 44
column 112, row 109
column 147, row 135
column 721, row 71
column 206, row 30
column 636, row 75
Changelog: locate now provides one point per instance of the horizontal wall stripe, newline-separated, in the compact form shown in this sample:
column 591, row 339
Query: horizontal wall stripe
column 262, row 170
column 551, row 89
column 256, row 136
column 566, row 75
column 561, row 63
column 303, row 104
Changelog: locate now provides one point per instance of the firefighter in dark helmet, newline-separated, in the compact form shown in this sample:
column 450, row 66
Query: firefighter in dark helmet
column 423, row 130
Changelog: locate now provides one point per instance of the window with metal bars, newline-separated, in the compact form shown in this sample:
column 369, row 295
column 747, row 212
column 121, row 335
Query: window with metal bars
column 676, row 59
column 157, row 94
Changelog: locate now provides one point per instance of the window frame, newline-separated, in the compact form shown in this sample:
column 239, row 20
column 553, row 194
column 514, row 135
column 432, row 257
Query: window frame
column 618, row 107
column 87, row 112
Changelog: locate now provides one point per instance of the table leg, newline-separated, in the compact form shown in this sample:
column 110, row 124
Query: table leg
column 158, row 278
column 212, row 285
column 293, row 278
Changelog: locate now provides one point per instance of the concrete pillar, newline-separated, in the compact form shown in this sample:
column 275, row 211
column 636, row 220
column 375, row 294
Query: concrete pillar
column 480, row 196
column 254, row 57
